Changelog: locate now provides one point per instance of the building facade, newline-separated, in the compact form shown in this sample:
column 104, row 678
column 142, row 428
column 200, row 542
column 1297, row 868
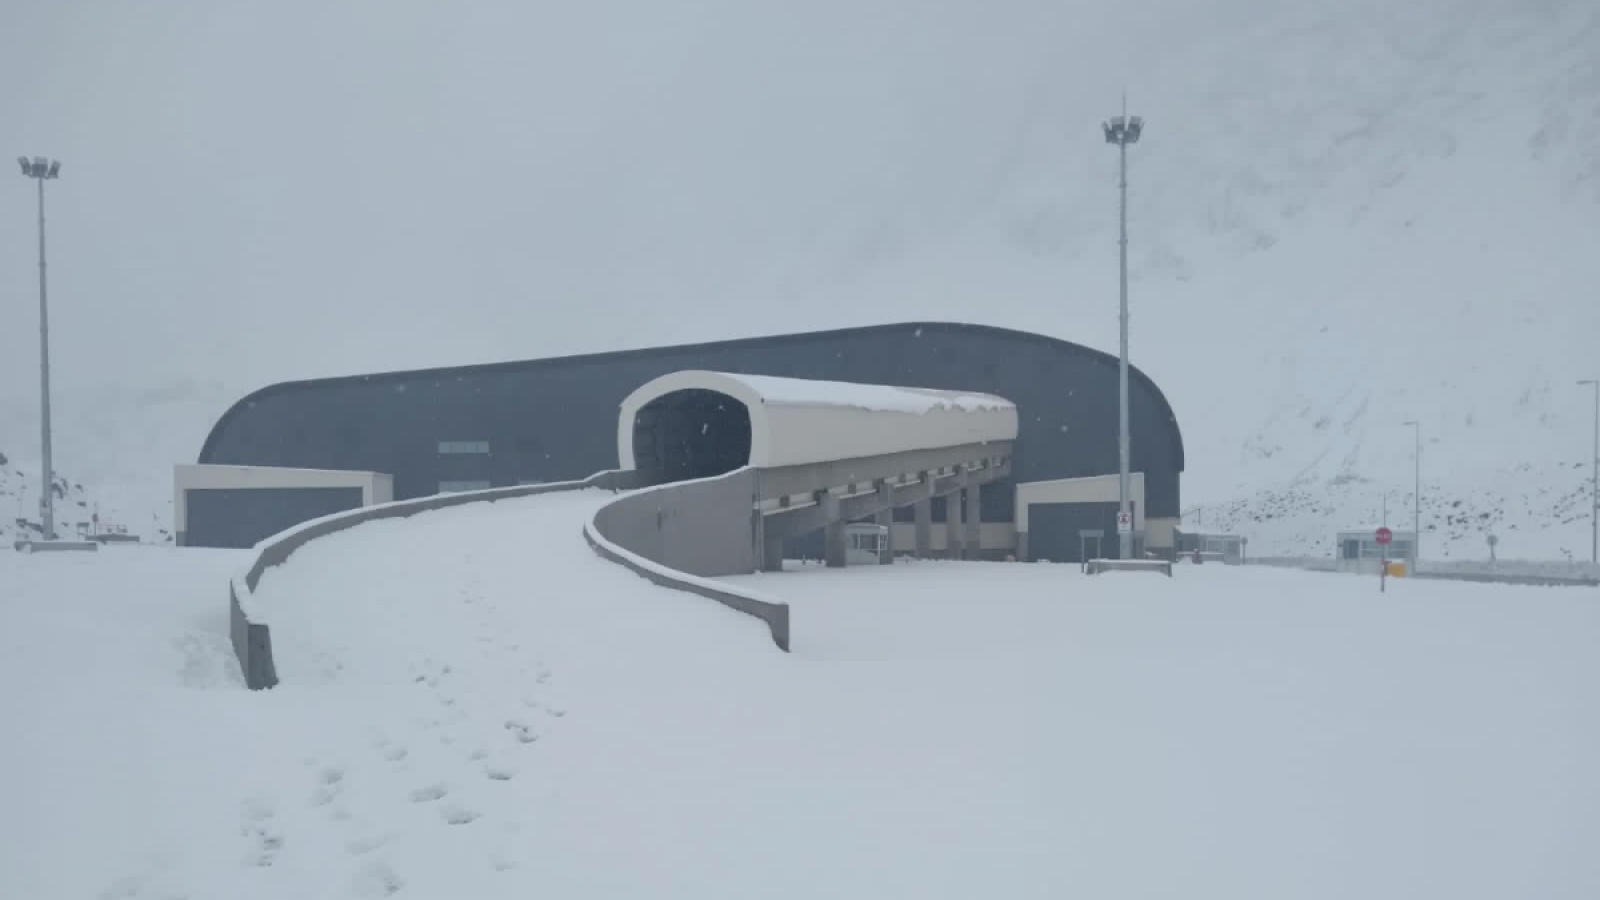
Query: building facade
column 555, row 419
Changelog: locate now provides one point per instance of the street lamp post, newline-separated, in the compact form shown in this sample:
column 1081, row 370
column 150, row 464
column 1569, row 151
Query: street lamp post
column 41, row 170
column 1123, row 131
column 1416, row 496
column 1594, row 475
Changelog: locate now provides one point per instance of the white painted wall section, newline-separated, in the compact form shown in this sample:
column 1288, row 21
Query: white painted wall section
column 796, row 421
column 1094, row 489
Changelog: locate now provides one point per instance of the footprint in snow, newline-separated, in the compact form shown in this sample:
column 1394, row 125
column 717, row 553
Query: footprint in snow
column 456, row 814
column 535, row 703
column 501, row 861
column 125, row 888
column 429, row 793
column 521, row 731
column 378, row 879
column 330, row 783
column 257, row 828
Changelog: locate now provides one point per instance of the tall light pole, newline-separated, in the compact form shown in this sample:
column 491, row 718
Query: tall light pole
column 1416, row 497
column 1594, row 475
column 1123, row 131
column 41, row 170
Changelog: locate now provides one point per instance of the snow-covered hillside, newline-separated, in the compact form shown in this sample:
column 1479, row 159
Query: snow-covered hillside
column 1344, row 215
column 115, row 447
column 1535, row 512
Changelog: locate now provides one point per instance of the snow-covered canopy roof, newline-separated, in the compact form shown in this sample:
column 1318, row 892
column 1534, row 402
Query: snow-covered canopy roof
column 794, row 421
column 871, row 397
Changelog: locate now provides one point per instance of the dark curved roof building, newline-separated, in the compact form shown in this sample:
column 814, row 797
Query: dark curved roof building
column 555, row 419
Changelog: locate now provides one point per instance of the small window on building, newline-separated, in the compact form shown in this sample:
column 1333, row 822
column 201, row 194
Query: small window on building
column 463, row 446
column 451, row 487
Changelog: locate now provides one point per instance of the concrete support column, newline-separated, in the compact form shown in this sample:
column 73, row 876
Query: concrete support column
column 953, row 529
column 772, row 554
column 885, row 517
column 833, row 538
column 974, row 520
column 834, row 544
column 924, row 527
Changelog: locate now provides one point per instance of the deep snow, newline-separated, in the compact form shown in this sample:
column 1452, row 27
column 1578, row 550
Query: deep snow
column 474, row 705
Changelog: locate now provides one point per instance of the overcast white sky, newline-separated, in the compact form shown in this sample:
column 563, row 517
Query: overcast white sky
column 298, row 188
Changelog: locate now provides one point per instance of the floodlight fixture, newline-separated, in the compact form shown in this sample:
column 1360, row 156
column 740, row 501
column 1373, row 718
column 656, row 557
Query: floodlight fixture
column 1123, row 130
column 40, row 167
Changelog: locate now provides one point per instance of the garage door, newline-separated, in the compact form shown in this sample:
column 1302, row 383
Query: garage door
column 240, row 517
column 1053, row 529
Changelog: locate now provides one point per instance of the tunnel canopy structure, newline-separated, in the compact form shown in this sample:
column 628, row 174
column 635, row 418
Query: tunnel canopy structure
column 697, row 423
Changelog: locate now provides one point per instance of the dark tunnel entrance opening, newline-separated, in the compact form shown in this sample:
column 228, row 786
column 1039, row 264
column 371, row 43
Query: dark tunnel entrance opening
column 693, row 433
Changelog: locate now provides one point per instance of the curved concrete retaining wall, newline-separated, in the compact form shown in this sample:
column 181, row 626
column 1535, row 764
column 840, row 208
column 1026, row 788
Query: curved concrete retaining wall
column 680, row 535
column 252, row 641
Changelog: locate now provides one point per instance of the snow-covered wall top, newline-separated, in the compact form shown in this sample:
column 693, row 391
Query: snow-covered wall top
column 872, row 397
column 795, row 421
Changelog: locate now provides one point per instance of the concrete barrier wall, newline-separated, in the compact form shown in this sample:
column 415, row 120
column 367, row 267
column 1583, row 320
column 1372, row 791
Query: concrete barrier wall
column 1446, row 572
column 701, row 527
column 252, row 645
column 252, row 641
column 682, row 535
column 1508, row 578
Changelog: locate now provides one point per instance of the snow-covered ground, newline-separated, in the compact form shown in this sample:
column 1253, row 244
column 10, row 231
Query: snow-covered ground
column 474, row 705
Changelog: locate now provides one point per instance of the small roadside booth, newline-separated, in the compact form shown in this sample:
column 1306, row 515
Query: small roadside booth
column 1228, row 549
column 1358, row 550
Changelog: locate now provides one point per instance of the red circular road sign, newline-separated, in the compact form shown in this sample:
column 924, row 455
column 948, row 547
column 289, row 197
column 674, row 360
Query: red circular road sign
column 1385, row 535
